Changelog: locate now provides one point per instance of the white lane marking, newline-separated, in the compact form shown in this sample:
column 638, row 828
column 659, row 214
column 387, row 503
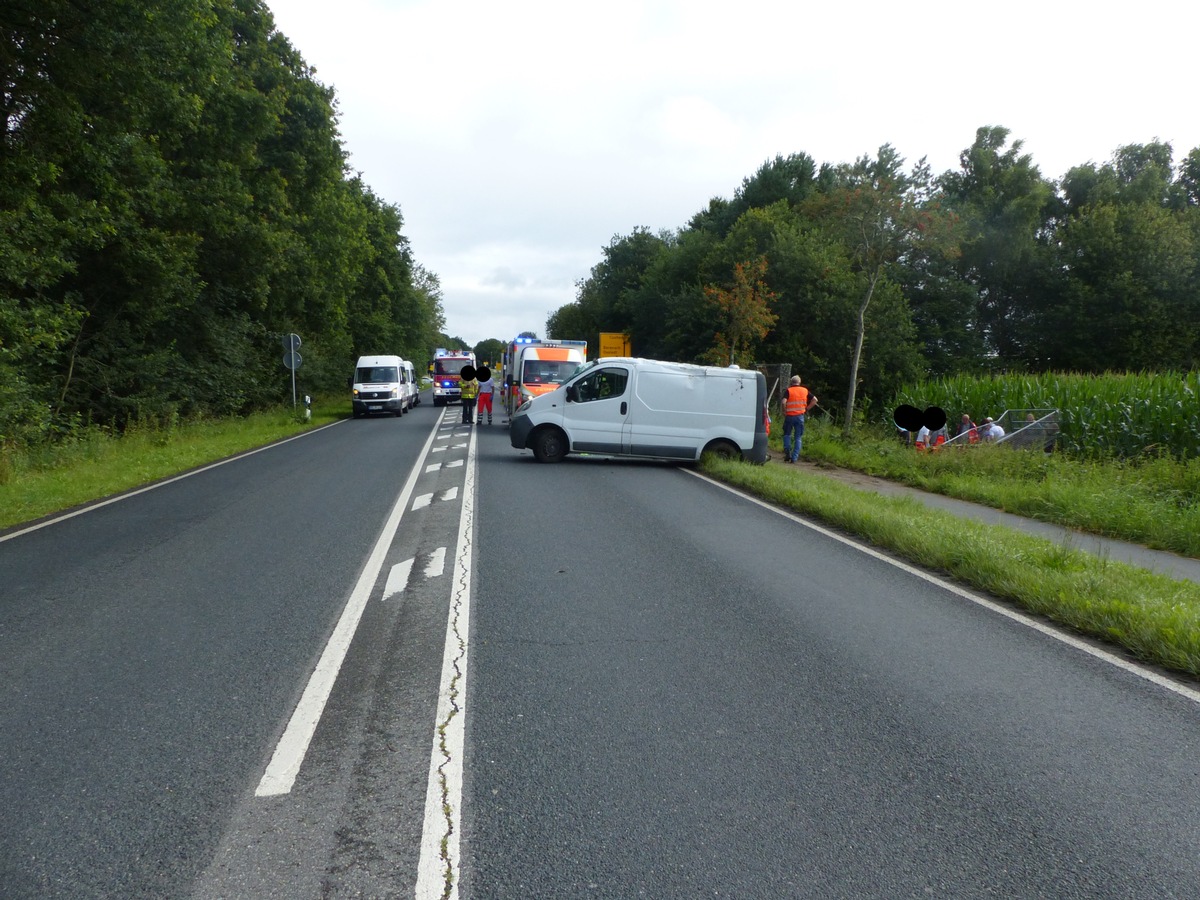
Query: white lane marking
column 459, row 446
column 158, row 484
column 284, row 766
column 397, row 579
column 422, row 501
column 450, row 493
column 437, row 563
column 439, row 449
column 454, row 464
column 438, row 868
column 432, row 467
column 1146, row 674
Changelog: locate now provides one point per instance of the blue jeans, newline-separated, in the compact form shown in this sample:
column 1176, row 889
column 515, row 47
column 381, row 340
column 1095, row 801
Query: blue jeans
column 790, row 424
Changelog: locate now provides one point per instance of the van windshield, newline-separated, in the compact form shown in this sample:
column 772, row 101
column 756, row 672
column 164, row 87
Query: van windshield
column 376, row 375
column 547, row 371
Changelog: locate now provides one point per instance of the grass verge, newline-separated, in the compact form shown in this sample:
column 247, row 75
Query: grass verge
column 1154, row 617
column 1153, row 500
column 98, row 465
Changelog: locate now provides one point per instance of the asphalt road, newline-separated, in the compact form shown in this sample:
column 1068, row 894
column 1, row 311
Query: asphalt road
column 678, row 693
column 152, row 651
column 668, row 691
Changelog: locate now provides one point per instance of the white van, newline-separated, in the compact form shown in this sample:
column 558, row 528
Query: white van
column 408, row 376
column 379, row 386
column 645, row 408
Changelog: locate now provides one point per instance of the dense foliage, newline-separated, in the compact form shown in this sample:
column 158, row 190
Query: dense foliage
column 880, row 277
column 174, row 199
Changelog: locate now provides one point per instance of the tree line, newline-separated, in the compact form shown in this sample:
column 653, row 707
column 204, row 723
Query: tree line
column 175, row 199
column 869, row 275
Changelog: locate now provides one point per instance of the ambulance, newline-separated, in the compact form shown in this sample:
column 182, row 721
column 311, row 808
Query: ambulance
column 533, row 367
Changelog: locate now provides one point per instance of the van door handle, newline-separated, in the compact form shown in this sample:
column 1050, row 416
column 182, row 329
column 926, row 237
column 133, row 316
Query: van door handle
column 623, row 407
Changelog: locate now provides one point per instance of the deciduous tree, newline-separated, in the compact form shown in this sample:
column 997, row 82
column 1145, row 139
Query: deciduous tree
column 743, row 313
column 882, row 215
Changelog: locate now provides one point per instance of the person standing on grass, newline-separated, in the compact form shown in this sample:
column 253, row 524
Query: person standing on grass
column 796, row 402
column 968, row 428
column 991, row 430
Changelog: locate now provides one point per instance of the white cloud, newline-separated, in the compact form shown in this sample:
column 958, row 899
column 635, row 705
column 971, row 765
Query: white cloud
column 519, row 138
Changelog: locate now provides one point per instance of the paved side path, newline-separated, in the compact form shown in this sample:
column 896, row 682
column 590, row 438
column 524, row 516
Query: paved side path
column 1180, row 567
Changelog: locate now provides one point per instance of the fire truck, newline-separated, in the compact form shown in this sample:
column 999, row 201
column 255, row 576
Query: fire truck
column 447, row 368
column 533, row 366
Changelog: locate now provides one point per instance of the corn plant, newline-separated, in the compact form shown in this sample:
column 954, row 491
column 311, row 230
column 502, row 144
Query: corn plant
column 1111, row 416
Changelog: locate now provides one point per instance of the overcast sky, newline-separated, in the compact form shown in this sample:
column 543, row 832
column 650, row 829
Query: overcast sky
column 518, row 138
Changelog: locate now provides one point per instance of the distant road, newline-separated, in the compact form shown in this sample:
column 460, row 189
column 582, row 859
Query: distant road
column 670, row 691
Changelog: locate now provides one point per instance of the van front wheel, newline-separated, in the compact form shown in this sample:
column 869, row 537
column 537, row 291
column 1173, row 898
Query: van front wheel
column 549, row 445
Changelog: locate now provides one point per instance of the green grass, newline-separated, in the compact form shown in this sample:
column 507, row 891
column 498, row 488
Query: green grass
column 1151, row 500
column 96, row 465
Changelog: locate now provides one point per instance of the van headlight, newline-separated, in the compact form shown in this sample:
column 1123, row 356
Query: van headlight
column 524, row 405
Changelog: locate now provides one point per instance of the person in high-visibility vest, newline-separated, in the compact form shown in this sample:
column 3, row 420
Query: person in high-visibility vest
column 470, row 391
column 796, row 402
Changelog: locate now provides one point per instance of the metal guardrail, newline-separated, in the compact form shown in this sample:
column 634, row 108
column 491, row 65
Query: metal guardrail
column 1032, row 429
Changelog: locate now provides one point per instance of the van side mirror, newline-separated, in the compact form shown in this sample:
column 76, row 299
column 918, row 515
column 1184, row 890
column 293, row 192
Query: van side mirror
column 572, row 393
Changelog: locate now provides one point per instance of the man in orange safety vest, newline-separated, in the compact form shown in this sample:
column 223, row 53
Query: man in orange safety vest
column 796, row 402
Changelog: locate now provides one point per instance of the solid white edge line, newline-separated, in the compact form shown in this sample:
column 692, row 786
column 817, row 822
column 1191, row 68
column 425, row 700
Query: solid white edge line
column 438, row 868
column 1015, row 615
column 150, row 487
column 289, row 754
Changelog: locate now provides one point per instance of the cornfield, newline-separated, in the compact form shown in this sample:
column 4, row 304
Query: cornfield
column 1113, row 416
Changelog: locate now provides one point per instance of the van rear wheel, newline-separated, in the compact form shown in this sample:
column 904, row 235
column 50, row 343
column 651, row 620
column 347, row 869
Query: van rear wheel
column 723, row 450
column 549, row 445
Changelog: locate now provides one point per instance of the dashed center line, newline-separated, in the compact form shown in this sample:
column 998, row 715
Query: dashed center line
column 400, row 574
column 437, row 563
column 397, row 579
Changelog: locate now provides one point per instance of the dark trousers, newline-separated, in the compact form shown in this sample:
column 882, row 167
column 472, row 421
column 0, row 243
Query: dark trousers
column 792, row 425
column 468, row 409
